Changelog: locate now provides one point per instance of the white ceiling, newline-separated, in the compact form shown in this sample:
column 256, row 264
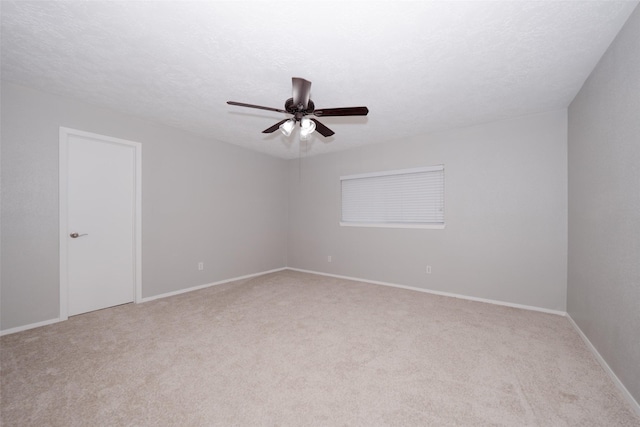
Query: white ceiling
column 419, row 66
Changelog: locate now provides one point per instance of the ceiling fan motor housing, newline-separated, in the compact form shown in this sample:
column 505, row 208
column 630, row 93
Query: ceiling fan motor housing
column 298, row 110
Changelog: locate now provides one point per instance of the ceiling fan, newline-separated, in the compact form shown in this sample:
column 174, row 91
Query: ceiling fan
column 301, row 106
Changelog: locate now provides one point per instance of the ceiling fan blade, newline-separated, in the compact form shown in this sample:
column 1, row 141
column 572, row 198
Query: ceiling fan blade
column 274, row 127
column 301, row 91
column 322, row 129
column 346, row 111
column 242, row 104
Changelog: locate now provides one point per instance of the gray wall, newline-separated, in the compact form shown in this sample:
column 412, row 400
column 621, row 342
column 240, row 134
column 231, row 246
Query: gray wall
column 505, row 207
column 202, row 201
column 604, row 207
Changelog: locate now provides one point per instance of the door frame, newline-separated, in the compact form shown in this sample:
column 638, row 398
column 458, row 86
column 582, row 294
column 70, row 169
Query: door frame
column 65, row 133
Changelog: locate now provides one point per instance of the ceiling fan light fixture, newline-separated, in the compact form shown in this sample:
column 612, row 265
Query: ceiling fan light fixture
column 287, row 127
column 307, row 127
column 301, row 105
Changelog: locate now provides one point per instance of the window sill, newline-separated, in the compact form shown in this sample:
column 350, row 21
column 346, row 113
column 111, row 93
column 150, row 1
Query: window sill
column 392, row 225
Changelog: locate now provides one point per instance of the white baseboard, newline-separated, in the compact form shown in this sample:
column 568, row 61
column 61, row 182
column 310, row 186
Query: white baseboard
column 429, row 291
column 29, row 326
column 168, row 294
column 207, row 285
column 625, row 393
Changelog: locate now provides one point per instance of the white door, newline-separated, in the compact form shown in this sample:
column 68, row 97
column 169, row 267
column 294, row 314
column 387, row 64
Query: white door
column 100, row 233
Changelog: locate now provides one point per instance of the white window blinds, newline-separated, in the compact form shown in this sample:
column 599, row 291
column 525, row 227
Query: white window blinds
column 401, row 198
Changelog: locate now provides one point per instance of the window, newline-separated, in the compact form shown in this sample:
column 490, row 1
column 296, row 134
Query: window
column 399, row 198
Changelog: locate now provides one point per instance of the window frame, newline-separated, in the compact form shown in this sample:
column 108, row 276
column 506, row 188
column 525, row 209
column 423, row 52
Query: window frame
column 432, row 225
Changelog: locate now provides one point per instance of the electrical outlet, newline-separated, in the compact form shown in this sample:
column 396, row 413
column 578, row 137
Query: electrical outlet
column 428, row 269
column 329, row 258
column 201, row 266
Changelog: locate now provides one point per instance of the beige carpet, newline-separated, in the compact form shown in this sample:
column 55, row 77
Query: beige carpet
column 295, row 349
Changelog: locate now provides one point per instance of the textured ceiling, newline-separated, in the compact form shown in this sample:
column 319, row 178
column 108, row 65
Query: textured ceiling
column 419, row 66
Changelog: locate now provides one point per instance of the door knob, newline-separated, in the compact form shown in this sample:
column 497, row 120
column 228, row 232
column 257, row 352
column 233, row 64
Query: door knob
column 76, row 235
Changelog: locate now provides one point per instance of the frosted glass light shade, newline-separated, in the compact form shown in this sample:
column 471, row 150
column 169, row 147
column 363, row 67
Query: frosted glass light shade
column 287, row 127
column 306, row 128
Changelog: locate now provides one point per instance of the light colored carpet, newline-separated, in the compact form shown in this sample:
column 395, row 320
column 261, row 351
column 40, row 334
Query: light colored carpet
column 296, row 349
